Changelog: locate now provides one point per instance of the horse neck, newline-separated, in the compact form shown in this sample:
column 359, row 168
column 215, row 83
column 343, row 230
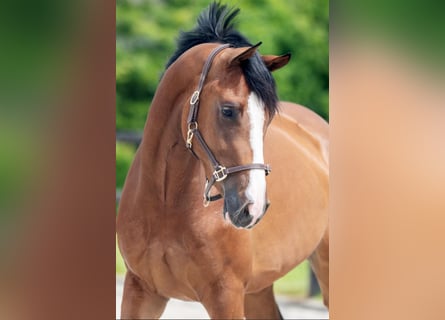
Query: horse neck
column 169, row 170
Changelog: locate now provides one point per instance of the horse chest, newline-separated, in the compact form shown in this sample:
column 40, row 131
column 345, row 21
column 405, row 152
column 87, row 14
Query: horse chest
column 170, row 266
column 174, row 265
column 184, row 262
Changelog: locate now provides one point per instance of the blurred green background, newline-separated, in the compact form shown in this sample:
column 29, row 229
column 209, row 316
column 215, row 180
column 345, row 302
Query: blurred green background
column 146, row 33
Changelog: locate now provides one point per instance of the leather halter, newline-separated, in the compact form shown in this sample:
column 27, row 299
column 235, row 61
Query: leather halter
column 220, row 172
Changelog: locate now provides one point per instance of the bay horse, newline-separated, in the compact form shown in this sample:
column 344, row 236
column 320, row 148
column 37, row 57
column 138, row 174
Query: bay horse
column 192, row 221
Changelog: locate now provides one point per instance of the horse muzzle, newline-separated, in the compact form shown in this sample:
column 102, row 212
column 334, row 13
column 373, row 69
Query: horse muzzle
column 241, row 212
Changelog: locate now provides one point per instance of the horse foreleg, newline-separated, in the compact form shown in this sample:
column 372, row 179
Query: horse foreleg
column 223, row 301
column 262, row 305
column 138, row 302
column 320, row 265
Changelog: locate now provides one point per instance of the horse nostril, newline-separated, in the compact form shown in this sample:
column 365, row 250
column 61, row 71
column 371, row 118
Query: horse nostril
column 246, row 210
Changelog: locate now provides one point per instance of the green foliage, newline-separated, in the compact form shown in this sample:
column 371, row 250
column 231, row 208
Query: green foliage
column 124, row 157
column 19, row 168
column 147, row 31
column 120, row 264
column 296, row 282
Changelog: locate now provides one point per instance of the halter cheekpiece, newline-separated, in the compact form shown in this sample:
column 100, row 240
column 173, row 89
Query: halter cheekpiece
column 220, row 172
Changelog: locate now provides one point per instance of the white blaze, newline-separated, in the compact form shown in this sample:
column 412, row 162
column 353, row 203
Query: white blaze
column 256, row 189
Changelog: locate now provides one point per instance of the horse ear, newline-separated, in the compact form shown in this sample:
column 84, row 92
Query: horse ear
column 276, row 62
column 246, row 54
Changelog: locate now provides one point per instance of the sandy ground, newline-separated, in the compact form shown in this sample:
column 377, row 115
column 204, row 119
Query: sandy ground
column 291, row 308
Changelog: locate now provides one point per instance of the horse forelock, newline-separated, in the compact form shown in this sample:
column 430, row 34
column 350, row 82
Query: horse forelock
column 216, row 24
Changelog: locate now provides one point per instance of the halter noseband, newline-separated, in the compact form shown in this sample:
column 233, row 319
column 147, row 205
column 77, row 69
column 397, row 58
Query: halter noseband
column 220, row 172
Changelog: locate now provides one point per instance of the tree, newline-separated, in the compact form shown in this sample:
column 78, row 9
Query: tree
column 147, row 30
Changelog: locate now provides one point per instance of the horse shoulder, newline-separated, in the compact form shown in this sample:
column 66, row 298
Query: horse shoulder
column 315, row 128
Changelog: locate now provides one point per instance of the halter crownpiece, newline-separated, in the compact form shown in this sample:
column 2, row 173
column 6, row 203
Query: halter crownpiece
column 220, row 172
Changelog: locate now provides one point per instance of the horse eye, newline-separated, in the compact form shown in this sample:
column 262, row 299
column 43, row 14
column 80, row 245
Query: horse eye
column 228, row 112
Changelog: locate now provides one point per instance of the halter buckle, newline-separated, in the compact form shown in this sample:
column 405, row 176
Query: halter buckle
column 220, row 173
column 192, row 127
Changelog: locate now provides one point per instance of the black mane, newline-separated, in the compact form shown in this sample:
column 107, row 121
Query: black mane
column 215, row 24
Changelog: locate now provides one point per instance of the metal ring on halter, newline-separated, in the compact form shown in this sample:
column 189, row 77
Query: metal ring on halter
column 192, row 126
column 206, row 202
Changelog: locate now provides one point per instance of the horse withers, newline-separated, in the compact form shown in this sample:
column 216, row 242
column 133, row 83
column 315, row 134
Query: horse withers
column 194, row 220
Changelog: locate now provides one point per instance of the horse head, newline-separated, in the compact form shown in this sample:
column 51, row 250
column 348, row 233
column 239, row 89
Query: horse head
column 225, row 122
